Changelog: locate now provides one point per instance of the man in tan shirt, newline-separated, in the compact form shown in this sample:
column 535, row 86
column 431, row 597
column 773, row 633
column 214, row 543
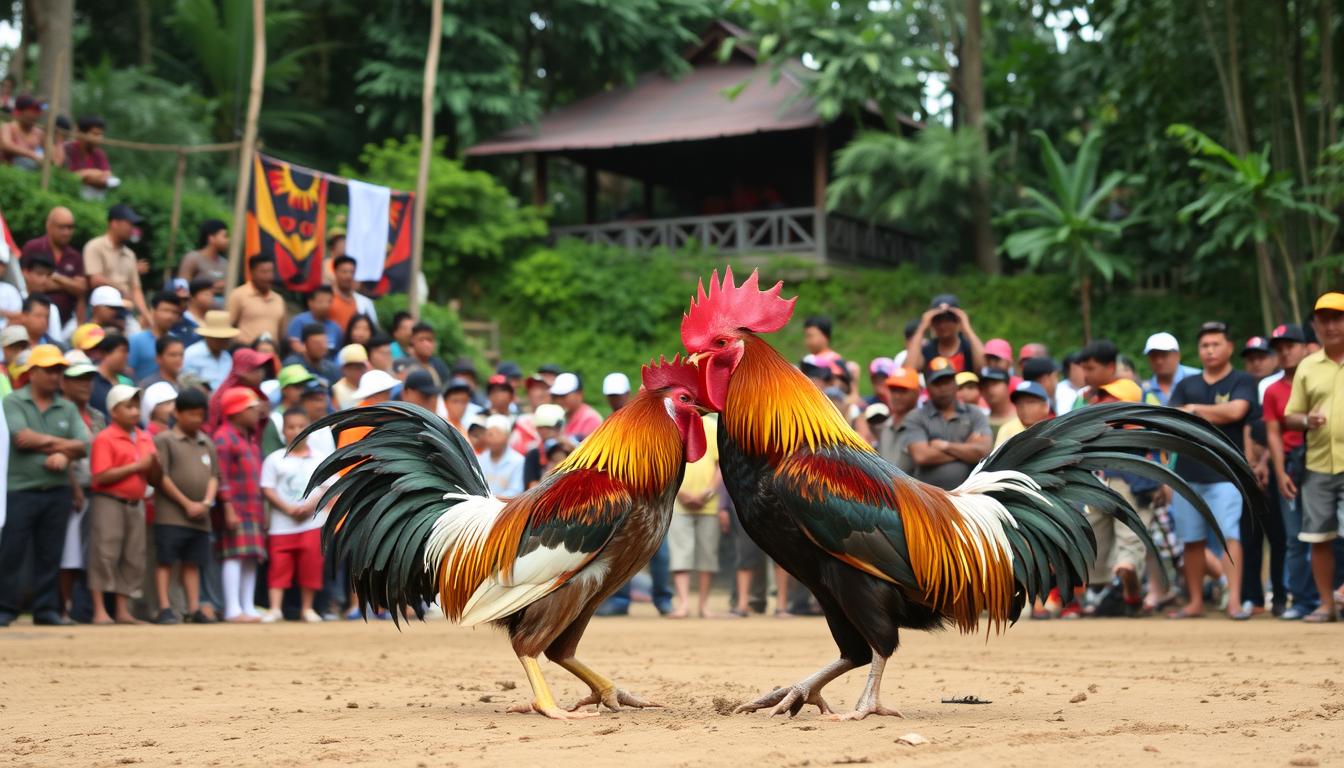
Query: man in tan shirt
column 108, row 261
column 253, row 307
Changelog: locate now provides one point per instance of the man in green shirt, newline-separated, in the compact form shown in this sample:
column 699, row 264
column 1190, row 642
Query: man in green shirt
column 46, row 433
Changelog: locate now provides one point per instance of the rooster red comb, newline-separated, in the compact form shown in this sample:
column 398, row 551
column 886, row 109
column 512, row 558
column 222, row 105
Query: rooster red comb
column 729, row 307
column 671, row 373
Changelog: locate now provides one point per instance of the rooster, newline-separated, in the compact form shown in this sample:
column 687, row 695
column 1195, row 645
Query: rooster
column 414, row 518
column 883, row 552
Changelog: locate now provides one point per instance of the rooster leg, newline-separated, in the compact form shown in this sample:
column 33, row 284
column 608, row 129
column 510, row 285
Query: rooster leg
column 868, row 703
column 543, row 702
column 604, row 691
column 805, row 691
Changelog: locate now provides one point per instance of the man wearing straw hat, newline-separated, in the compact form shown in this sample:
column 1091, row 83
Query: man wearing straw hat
column 210, row 359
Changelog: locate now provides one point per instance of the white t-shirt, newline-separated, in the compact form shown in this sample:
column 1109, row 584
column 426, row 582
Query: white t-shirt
column 505, row 477
column 288, row 476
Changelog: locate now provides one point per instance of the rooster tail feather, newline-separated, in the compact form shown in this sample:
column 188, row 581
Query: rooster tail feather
column 395, row 487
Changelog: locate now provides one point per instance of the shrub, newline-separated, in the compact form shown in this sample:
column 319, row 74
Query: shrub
column 447, row 327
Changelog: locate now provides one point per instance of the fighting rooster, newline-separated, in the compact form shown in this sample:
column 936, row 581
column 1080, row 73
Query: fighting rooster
column 414, row 518
column 881, row 551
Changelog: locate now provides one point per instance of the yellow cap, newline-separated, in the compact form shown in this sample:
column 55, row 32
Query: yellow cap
column 967, row 377
column 87, row 336
column 1332, row 300
column 46, row 356
column 1124, row 390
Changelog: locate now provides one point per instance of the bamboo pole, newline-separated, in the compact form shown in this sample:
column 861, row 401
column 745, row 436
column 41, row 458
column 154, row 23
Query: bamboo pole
column 49, row 136
column 175, row 218
column 143, row 146
column 246, row 154
column 426, row 146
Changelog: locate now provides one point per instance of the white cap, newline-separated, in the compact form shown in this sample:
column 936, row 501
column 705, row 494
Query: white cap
column 564, row 384
column 353, row 354
column 74, row 357
column 271, row 389
column 616, row 384
column 156, row 394
column 106, row 296
column 875, row 410
column 374, row 382
column 499, row 421
column 120, row 394
column 13, row 334
column 1161, row 342
column 548, row 415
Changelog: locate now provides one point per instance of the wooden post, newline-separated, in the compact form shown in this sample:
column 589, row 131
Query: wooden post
column 426, row 146
column 175, row 218
column 49, row 136
column 249, row 148
column 589, row 194
column 819, row 178
column 540, row 179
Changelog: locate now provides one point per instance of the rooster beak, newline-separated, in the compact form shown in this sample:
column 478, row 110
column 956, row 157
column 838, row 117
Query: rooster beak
column 697, row 357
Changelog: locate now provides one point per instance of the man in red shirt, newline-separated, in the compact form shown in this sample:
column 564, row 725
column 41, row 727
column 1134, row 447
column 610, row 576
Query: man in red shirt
column 1287, row 454
column 123, row 462
column 581, row 419
column 68, row 285
column 87, row 160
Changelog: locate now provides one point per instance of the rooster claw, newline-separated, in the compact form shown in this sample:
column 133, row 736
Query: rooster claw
column 861, row 712
column 553, row 712
column 790, row 700
column 614, row 699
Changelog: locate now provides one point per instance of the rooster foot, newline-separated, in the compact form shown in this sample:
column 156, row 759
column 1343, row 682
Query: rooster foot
column 551, row 711
column 614, row 699
column 791, row 700
column 864, row 710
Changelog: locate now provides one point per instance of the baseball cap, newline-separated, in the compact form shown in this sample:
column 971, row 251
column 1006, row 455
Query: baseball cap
column 457, row 385
column 1123, row 389
column 374, row 382
column 156, row 394
column 499, row 421
column 834, row 393
column 314, row 387
column 615, row 384
column 353, row 354
column 422, row 381
column 498, row 381
column 949, row 299
column 235, row 400
column 1161, row 342
column 967, row 377
column 1034, row 368
column 939, row 368
column 181, row 284
column 88, row 335
column 904, row 378
column 76, row 370
column 1256, row 344
column 14, row 334
column 876, row 412
column 1288, row 332
column 463, row 365
column 106, row 296
column 565, row 383
column 46, row 356
column 510, row 369
column 1032, row 350
column 21, row 364
column 26, row 101
column 548, row 415
column 994, row 374
column 294, row 374
column 999, row 348
column 551, row 368
column 124, row 212
column 881, row 365
column 1029, row 389
column 1332, row 300
column 120, row 394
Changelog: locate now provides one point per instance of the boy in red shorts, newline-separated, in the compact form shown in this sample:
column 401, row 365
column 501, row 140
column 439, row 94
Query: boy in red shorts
column 296, row 532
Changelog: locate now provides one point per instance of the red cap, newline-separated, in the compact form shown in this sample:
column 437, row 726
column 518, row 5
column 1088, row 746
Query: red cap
column 237, row 399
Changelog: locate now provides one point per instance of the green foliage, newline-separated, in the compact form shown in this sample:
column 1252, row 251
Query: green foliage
column 473, row 226
column 153, row 200
column 447, row 326
column 26, row 206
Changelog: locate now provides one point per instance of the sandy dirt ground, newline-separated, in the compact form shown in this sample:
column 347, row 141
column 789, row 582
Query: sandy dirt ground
column 1105, row 692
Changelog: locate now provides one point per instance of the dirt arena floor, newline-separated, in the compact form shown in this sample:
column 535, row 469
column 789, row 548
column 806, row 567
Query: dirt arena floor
column 1105, row 692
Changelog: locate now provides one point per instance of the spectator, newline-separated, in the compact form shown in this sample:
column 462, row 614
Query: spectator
column 464, row 368
column 549, row 372
column 240, row 542
column 156, row 409
column 549, row 420
column 1035, row 370
column 77, row 387
column 1070, row 388
column 693, row 538
column 616, row 388
column 346, row 300
column 499, row 396
column 209, row 359
column 319, row 313
column 359, row 330
column 817, row 340
column 210, row 260
column 46, row 435
column 200, row 299
column 68, row 284
column 424, row 346
column 250, row 368
column 1316, row 407
column 107, row 309
column 292, row 380
column 581, row 420
column 110, row 356
column 109, row 261
column 1032, row 405
column 1226, row 398
column 968, row 389
column 945, row 438
column 335, row 250
column 313, row 354
column 253, row 307
column 295, row 535
column 316, row 403
column 456, row 400
column 501, row 466
column 123, row 463
column 165, row 311
column 375, row 387
column 168, row 356
column 379, row 351
column 1100, row 363
column 38, row 319
column 1287, row 451
column 510, row 370
column 953, row 338
column 86, row 337
column 994, row 388
column 999, row 356
column 22, row 140
column 902, row 396
column 538, row 392
column 421, row 389
column 1031, row 351
column 186, row 493
column 1260, row 360
column 354, row 361
column 13, row 340
column 11, row 300
column 402, row 327
column 879, row 370
column 909, row 331
column 85, row 157
column 37, row 274
column 1164, row 358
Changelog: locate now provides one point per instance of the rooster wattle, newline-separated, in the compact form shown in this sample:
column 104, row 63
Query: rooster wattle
column 881, row 551
column 414, row 519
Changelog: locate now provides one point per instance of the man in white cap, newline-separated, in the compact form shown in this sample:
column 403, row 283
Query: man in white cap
column 107, row 309
column 501, row 466
column 616, row 388
column 1164, row 357
column 374, row 387
column 581, row 419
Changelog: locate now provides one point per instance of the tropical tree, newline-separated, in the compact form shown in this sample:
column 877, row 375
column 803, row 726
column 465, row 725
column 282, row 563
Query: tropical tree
column 1068, row 224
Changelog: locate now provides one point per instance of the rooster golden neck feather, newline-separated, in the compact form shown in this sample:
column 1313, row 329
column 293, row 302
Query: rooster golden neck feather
column 773, row 409
column 638, row 446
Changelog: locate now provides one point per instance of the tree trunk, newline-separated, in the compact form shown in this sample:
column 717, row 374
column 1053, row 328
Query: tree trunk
column 54, row 21
column 971, row 68
column 1274, row 311
column 1085, row 295
column 145, row 36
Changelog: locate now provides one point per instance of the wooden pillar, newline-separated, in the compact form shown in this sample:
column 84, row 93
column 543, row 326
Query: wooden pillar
column 53, row 106
column 246, row 155
column 540, row 179
column 589, row 194
column 819, row 179
column 426, row 146
column 175, row 218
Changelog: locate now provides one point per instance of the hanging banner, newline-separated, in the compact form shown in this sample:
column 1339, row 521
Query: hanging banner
column 287, row 220
column 397, row 265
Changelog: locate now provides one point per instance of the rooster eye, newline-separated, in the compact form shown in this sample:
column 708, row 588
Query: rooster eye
column 720, row 342
column 685, row 399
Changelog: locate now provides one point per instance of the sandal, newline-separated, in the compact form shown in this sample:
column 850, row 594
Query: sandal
column 1319, row 616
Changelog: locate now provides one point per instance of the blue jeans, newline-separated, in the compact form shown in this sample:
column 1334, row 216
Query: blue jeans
column 619, row 602
column 1297, row 556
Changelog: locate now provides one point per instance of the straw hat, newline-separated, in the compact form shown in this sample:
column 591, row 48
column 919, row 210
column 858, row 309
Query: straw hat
column 216, row 326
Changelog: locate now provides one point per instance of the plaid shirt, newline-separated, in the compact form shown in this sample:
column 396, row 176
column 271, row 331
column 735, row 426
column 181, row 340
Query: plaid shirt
column 240, row 485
